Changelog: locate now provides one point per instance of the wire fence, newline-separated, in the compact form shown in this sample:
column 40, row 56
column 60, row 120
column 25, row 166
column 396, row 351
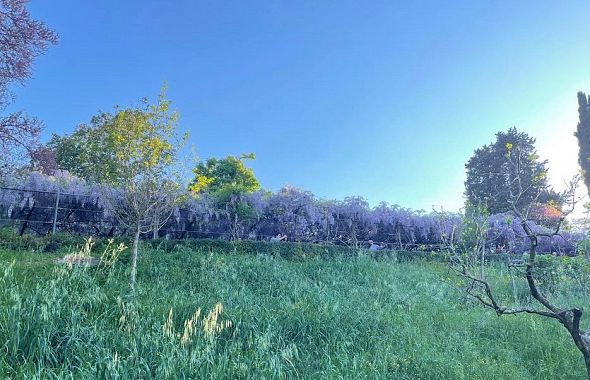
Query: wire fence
column 48, row 212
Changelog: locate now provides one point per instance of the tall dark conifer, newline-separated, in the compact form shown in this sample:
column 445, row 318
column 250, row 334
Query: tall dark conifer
column 489, row 171
column 583, row 135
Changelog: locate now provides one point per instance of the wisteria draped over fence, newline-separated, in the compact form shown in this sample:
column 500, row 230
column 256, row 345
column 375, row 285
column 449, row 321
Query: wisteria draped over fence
column 65, row 203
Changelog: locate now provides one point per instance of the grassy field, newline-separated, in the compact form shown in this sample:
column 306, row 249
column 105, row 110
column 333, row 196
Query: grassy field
column 336, row 319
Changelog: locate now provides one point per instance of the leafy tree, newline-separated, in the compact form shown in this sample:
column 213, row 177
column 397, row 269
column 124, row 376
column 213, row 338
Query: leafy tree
column 583, row 135
column 489, row 173
column 220, row 174
column 145, row 147
column 228, row 181
column 90, row 152
column 22, row 39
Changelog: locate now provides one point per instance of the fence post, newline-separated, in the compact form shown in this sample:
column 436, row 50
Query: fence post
column 55, row 212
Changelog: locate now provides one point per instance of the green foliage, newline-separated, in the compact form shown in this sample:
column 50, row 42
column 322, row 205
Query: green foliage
column 475, row 225
column 226, row 181
column 116, row 147
column 60, row 243
column 88, row 152
column 353, row 318
column 561, row 277
column 583, row 135
column 54, row 243
column 227, row 174
column 490, row 168
column 583, row 246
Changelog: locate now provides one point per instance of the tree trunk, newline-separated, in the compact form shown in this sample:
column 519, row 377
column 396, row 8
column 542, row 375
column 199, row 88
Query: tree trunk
column 573, row 325
column 353, row 236
column 54, row 224
column 26, row 222
column 234, row 228
column 156, row 227
column 134, row 259
column 483, row 258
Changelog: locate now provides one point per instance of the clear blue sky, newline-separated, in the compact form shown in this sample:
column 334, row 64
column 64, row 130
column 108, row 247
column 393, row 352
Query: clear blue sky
column 386, row 100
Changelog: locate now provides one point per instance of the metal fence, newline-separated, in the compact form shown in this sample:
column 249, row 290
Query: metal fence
column 48, row 212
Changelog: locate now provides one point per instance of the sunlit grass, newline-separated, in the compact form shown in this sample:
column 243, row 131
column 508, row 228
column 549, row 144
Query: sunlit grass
column 206, row 315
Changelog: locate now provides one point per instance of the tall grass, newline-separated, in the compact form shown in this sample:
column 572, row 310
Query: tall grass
column 203, row 315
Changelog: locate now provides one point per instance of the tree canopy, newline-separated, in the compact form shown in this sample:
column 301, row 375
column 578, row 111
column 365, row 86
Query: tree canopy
column 117, row 146
column 89, row 152
column 489, row 173
column 221, row 174
column 583, row 135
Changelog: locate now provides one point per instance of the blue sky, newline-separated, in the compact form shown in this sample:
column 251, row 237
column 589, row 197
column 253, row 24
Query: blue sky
column 386, row 100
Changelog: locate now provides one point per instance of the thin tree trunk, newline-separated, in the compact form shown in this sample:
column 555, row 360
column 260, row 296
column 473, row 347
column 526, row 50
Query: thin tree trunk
column 134, row 259
column 54, row 224
column 156, row 228
column 26, row 222
column 483, row 259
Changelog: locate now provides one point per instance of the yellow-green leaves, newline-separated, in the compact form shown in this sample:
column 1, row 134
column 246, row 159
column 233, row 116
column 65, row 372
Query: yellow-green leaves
column 230, row 172
column 117, row 146
column 542, row 175
column 200, row 183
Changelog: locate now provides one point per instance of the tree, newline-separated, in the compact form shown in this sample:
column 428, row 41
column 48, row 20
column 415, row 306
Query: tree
column 217, row 174
column 90, row 152
column 488, row 173
column 474, row 233
column 43, row 160
column 145, row 147
column 583, row 135
column 520, row 177
column 228, row 182
column 22, row 39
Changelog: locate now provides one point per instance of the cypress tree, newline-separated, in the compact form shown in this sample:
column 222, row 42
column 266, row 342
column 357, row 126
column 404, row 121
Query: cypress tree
column 583, row 135
column 488, row 170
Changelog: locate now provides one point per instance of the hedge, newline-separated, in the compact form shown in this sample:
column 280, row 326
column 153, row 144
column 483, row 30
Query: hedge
column 64, row 243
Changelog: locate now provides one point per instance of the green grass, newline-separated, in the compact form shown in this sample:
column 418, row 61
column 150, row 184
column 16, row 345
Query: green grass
column 336, row 319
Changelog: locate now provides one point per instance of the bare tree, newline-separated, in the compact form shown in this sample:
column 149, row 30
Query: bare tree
column 144, row 204
column 481, row 290
column 474, row 234
column 448, row 226
column 22, row 39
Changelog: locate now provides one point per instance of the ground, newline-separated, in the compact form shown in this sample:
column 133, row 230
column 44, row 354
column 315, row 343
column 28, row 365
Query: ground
column 337, row 318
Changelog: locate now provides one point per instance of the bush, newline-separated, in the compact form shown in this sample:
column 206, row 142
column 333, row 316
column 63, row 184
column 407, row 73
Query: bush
column 55, row 243
column 286, row 250
column 295, row 251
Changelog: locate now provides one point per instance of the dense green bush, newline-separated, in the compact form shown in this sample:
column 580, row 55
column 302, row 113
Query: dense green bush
column 59, row 242
column 287, row 250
